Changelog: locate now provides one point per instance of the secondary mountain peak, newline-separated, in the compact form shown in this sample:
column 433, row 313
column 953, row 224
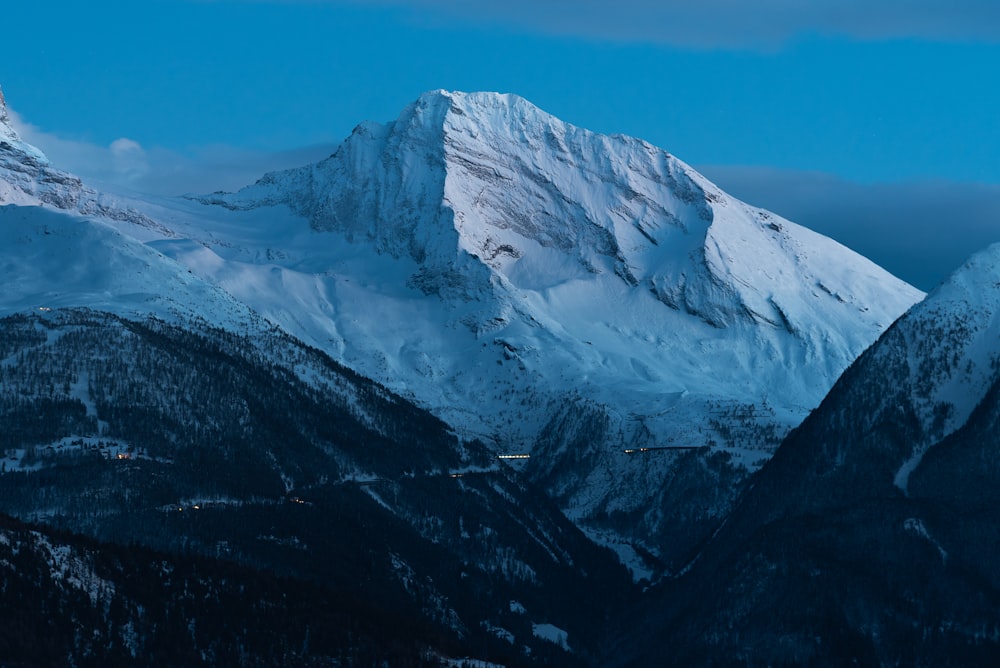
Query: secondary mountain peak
column 27, row 178
column 944, row 356
column 11, row 145
column 875, row 519
column 7, row 132
column 933, row 369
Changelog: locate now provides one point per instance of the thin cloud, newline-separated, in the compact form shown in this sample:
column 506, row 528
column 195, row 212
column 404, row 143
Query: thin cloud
column 719, row 23
column 919, row 230
column 127, row 165
column 128, row 159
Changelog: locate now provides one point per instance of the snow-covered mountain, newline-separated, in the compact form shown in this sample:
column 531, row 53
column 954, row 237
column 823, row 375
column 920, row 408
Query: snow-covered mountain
column 871, row 536
column 65, row 244
column 947, row 352
column 554, row 291
column 540, row 287
column 28, row 178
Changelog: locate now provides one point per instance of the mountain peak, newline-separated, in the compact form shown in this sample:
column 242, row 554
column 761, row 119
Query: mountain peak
column 7, row 132
column 16, row 147
column 473, row 185
column 459, row 111
column 556, row 257
column 462, row 102
column 28, row 178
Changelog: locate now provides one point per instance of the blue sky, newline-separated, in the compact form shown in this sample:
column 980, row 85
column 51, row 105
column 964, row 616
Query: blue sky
column 874, row 122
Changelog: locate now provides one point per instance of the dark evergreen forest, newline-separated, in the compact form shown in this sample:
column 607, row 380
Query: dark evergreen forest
column 266, row 455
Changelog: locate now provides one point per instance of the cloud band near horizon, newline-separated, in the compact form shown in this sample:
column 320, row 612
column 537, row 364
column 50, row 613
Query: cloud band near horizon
column 720, row 23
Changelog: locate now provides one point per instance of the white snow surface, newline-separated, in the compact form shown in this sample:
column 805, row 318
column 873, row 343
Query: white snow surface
column 66, row 244
column 478, row 246
column 56, row 259
column 491, row 263
column 552, row 633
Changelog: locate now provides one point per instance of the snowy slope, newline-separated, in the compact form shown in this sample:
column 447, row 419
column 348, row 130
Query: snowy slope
column 549, row 289
column 65, row 244
column 53, row 260
column 538, row 232
column 28, row 178
column 924, row 394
